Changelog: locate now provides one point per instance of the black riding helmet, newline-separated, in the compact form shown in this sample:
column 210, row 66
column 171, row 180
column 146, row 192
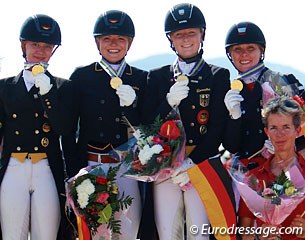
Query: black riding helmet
column 243, row 33
column 40, row 28
column 183, row 16
column 114, row 22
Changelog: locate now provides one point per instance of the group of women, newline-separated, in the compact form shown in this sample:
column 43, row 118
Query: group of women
column 36, row 109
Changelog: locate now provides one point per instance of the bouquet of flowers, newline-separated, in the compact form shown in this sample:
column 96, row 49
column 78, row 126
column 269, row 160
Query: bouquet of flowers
column 158, row 150
column 275, row 84
column 94, row 197
column 270, row 202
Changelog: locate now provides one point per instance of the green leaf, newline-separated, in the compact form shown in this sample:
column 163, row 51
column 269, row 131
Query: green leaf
column 282, row 178
column 105, row 214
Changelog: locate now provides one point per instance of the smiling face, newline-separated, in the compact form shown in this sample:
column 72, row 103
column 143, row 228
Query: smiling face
column 113, row 47
column 282, row 132
column 36, row 52
column 187, row 41
column 245, row 56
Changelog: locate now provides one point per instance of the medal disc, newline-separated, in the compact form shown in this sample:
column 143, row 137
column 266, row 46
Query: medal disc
column 37, row 69
column 183, row 78
column 237, row 85
column 115, row 82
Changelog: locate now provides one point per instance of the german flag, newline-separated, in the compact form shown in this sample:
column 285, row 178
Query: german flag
column 83, row 230
column 213, row 184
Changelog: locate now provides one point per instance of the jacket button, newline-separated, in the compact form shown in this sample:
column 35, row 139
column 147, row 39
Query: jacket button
column 36, row 114
column 117, row 119
column 14, row 115
column 193, row 106
column 36, row 149
column 100, row 118
column 118, row 136
column 17, row 132
column 192, row 124
column 18, row 149
column 36, row 131
column 190, row 141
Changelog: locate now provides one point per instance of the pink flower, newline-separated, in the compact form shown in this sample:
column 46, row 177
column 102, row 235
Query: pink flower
column 268, row 192
column 157, row 140
column 102, row 197
column 159, row 159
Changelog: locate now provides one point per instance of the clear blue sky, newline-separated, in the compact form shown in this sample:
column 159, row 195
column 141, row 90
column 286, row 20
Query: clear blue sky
column 282, row 22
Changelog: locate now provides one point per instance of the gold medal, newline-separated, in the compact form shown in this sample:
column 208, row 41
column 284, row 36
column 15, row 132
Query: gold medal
column 46, row 127
column 115, row 82
column 183, row 78
column 44, row 142
column 37, row 69
column 237, row 85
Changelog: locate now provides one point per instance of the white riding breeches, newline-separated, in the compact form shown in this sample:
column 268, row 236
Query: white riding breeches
column 29, row 201
column 174, row 208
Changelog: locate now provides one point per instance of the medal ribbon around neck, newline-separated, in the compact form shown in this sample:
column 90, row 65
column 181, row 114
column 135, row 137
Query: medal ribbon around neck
column 254, row 70
column 111, row 72
column 28, row 65
column 197, row 67
column 116, row 80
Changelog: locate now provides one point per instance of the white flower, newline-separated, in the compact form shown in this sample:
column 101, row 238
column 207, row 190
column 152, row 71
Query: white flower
column 141, row 143
column 82, row 199
column 83, row 190
column 86, row 187
column 147, row 152
column 150, row 139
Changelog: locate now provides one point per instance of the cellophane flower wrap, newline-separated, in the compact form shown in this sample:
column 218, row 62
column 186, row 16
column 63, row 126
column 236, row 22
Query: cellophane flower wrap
column 271, row 202
column 275, row 84
column 158, row 150
column 94, row 197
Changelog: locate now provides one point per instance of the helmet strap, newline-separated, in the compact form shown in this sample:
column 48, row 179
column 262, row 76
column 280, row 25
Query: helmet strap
column 54, row 50
column 24, row 53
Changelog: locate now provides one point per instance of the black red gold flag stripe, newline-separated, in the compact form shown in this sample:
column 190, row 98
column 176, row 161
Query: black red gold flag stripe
column 213, row 184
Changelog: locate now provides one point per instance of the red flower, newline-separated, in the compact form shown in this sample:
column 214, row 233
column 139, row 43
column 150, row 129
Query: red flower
column 166, row 150
column 102, row 197
column 157, row 140
column 300, row 100
column 169, row 130
column 101, row 180
column 137, row 165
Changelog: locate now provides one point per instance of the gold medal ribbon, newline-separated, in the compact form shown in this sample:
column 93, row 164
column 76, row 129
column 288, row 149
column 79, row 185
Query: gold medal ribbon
column 111, row 72
column 197, row 67
column 259, row 67
column 29, row 65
